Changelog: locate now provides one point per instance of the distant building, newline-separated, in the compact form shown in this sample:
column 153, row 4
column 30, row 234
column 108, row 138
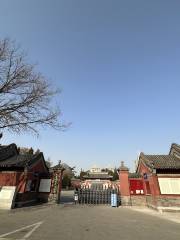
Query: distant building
column 95, row 169
column 67, row 170
column 98, row 176
column 95, row 178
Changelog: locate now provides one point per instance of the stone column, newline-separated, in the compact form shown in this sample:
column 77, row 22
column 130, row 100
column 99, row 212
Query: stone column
column 56, row 183
column 59, row 185
column 124, row 185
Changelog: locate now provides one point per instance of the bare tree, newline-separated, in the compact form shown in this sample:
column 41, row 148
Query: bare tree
column 49, row 162
column 26, row 97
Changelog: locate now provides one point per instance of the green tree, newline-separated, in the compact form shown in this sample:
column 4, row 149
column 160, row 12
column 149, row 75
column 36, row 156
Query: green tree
column 115, row 175
column 66, row 181
column 31, row 151
column 48, row 162
column 110, row 172
column 82, row 174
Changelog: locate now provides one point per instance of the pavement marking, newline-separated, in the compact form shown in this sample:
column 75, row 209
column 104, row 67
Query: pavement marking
column 27, row 235
column 32, row 230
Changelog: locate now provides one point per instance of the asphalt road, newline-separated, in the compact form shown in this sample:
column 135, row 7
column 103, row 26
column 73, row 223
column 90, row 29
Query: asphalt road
column 74, row 222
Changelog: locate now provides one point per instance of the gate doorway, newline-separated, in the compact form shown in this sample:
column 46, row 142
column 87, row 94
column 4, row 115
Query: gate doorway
column 97, row 195
column 67, row 197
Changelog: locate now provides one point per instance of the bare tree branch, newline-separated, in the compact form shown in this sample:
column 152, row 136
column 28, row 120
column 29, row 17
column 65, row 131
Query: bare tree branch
column 26, row 97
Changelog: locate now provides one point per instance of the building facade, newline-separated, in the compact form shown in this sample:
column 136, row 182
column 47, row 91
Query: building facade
column 161, row 178
column 27, row 172
column 97, row 180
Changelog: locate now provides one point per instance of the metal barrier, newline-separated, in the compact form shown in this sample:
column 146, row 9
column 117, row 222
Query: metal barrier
column 96, row 196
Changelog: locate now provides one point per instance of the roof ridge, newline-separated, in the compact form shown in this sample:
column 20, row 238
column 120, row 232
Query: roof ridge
column 175, row 144
column 8, row 151
column 161, row 161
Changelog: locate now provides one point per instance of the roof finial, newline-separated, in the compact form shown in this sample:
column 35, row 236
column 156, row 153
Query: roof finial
column 123, row 167
column 122, row 163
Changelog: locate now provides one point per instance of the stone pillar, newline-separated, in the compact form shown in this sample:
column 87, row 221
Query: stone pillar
column 124, row 185
column 59, row 186
column 56, row 183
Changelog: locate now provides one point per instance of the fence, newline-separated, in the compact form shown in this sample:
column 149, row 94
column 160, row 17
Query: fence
column 97, row 196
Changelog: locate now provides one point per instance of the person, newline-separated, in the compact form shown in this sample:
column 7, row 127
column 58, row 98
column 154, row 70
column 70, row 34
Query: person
column 76, row 196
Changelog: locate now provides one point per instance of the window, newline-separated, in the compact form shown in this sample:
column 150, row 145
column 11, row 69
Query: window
column 45, row 185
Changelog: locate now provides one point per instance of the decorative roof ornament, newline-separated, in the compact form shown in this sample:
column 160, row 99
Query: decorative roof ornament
column 59, row 166
column 123, row 167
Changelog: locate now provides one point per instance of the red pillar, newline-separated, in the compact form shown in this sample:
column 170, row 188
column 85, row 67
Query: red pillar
column 124, row 184
column 156, row 185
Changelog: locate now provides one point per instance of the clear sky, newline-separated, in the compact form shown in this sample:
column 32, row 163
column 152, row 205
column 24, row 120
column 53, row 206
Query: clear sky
column 118, row 64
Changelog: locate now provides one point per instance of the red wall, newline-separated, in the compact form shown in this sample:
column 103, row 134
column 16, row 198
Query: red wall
column 152, row 180
column 136, row 186
column 124, row 183
column 8, row 179
column 76, row 183
column 13, row 179
column 19, row 179
column 39, row 167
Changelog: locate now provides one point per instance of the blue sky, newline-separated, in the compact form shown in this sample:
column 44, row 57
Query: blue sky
column 118, row 65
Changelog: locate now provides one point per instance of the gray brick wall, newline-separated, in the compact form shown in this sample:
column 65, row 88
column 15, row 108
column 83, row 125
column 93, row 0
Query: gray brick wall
column 168, row 201
column 125, row 201
column 138, row 200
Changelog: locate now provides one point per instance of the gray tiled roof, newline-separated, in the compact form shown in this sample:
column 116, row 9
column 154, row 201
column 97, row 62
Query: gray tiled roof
column 10, row 157
column 20, row 161
column 97, row 176
column 161, row 161
column 8, row 151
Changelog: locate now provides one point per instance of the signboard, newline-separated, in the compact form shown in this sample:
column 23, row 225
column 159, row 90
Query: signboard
column 136, row 186
column 169, row 185
column 76, row 197
column 7, row 197
column 45, row 185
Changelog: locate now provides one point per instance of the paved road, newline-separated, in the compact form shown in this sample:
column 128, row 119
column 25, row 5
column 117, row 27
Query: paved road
column 71, row 222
